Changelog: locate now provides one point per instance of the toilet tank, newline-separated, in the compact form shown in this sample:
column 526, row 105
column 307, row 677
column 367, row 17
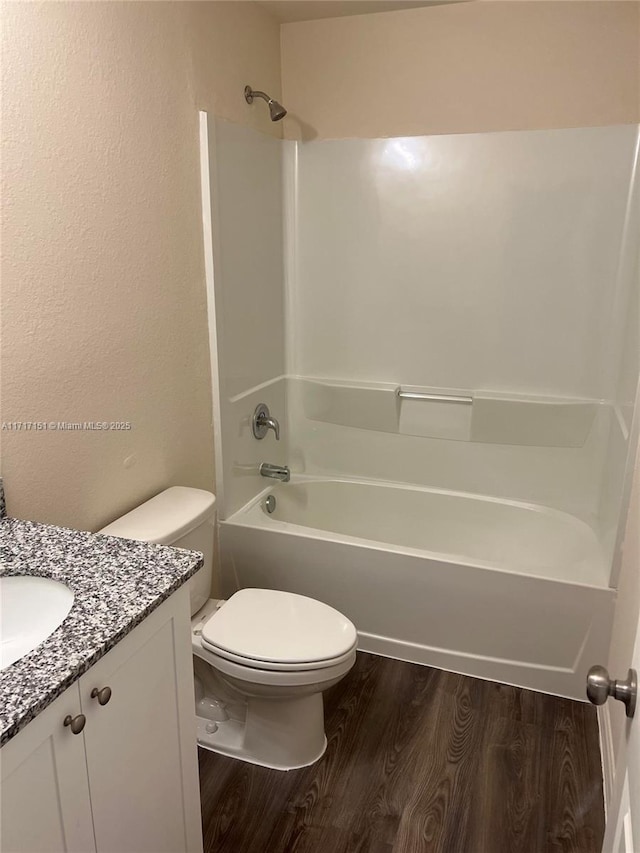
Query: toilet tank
column 181, row 517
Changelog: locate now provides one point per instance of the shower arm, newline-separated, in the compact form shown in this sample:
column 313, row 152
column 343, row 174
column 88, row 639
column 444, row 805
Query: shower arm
column 276, row 110
column 250, row 94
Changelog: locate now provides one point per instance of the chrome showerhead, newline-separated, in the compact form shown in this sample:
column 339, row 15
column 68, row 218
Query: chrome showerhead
column 276, row 110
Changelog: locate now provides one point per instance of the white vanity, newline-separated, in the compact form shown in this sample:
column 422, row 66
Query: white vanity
column 110, row 762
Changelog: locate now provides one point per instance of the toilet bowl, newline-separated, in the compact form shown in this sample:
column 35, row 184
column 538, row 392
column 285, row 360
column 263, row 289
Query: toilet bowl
column 262, row 658
column 275, row 653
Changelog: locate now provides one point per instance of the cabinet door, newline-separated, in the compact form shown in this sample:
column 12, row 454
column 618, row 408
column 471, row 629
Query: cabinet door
column 45, row 791
column 141, row 745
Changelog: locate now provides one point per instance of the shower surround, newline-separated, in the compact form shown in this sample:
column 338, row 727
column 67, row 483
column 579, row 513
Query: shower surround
column 471, row 520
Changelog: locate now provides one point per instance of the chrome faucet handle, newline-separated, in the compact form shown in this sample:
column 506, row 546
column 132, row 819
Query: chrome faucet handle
column 262, row 422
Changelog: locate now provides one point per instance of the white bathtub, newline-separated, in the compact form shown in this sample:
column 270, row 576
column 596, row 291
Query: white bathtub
column 497, row 589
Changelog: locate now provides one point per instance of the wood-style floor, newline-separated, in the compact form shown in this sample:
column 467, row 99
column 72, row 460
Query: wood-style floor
column 420, row 761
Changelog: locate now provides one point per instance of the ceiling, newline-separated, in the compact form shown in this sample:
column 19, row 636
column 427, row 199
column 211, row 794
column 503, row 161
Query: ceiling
column 288, row 11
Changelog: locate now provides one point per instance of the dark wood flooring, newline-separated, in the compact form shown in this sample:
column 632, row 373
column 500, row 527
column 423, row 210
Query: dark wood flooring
column 420, row 761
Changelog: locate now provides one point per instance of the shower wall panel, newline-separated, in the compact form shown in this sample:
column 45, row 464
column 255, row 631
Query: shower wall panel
column 479, row 261
column 246, row 199
column 489, row 263
column 625, row 361
column 249, row 277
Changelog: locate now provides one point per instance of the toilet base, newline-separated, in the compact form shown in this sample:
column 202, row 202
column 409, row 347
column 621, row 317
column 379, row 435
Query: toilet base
column 282, row 735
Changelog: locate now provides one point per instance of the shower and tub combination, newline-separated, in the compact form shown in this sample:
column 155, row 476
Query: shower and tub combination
column 443, row 333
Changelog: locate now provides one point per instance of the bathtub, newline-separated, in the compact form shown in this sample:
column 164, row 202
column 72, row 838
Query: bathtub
column 492, row 588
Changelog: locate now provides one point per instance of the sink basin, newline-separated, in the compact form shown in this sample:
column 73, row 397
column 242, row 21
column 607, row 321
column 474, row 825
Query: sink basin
column 31, row 609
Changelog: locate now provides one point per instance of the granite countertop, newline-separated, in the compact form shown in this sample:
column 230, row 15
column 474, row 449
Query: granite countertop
column 116, row 584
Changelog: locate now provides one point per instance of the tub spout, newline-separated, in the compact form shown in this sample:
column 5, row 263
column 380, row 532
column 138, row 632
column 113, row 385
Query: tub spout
column 276, row 472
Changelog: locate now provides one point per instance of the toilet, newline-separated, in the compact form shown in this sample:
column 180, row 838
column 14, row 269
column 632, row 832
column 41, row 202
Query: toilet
column 262, row 658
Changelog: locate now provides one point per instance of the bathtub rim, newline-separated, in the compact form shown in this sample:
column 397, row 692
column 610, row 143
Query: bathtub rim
column 244, row 517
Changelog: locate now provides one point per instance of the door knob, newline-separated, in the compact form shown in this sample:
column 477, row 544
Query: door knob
column 102, row 696
column 76, row 723
column 600, row 686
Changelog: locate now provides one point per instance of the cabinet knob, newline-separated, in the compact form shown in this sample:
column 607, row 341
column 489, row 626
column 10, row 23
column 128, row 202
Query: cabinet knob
column 76, row 723
column 102, row 696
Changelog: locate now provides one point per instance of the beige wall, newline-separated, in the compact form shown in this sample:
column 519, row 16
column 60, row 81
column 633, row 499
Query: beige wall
column 462, row 68
column 103, row 309
column 233, row 44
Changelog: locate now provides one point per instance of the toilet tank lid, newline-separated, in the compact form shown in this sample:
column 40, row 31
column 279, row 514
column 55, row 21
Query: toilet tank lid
column 165, row 518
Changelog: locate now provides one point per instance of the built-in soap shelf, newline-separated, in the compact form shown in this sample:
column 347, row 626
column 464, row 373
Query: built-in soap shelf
column 455, row 414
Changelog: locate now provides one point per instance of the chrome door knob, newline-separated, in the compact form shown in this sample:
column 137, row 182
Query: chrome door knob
column 102, row 696
column 600, row 686
column 75, row 723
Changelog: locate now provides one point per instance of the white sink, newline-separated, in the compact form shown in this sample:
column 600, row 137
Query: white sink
column 31, row 609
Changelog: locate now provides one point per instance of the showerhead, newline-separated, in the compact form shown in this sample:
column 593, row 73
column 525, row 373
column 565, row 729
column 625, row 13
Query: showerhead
column 276, row 110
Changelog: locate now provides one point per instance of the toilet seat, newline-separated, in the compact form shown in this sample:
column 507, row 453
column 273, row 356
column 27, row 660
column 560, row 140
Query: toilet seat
column 274, row 677
column 278, row 631
column 271, row 666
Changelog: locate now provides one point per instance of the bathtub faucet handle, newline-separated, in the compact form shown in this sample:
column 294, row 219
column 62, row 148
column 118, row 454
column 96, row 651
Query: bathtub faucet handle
column 262, row 422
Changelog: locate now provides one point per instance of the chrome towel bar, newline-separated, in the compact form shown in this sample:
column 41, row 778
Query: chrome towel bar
column 434, row 398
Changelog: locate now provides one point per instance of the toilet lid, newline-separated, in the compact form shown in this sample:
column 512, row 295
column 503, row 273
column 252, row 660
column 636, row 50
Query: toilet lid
column 278, row 627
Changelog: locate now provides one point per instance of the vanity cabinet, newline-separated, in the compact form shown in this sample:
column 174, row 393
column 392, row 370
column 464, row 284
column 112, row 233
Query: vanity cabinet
column 45, row 805
column 128, row 781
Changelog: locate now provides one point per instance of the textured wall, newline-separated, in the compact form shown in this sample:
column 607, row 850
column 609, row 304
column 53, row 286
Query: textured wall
column 233, row 43
column 104, row 313
column 467, row 67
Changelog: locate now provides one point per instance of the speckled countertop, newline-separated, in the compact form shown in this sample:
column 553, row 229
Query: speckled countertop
column 116, row 583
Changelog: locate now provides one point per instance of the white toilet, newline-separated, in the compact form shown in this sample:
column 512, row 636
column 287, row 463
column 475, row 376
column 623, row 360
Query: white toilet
column 262, row 658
